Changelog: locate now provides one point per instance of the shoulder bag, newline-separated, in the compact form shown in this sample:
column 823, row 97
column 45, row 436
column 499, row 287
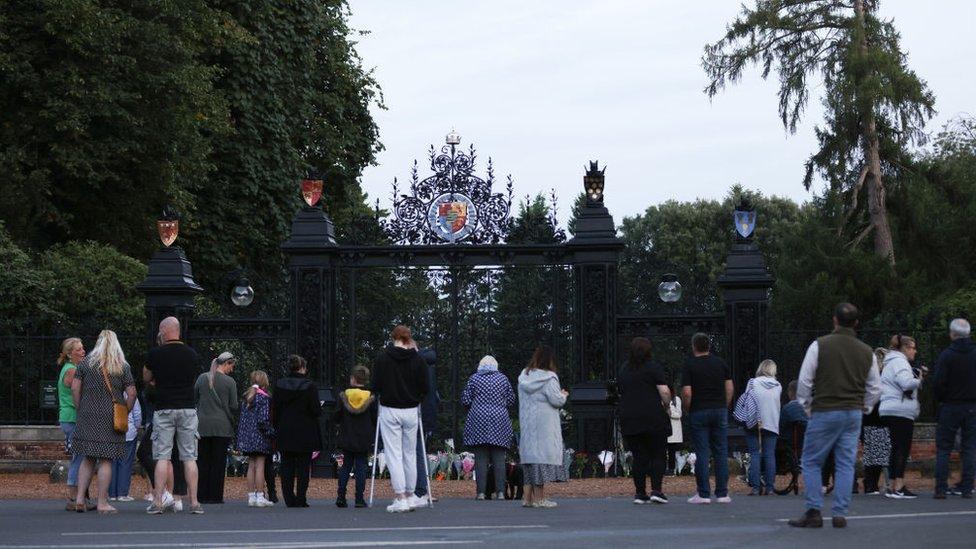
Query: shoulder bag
column 747, row 408
column 120, row 412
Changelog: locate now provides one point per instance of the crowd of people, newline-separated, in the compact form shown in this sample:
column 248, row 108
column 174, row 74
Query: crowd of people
column 846, row 395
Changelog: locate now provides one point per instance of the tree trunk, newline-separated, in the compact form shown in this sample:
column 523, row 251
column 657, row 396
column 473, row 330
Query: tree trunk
column 877, row 209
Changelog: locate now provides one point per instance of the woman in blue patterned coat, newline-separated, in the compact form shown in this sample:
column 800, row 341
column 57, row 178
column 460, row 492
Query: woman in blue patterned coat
column 488, row 429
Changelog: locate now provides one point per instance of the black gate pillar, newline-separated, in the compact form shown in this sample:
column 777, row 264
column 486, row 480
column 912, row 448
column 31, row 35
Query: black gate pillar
column 169, row 289
column 745, row 286
column 312, row 251
column 596, row 251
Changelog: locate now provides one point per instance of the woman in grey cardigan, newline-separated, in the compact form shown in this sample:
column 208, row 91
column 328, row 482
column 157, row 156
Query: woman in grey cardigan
column 216, row 396
column 541, row 437
column 898, row 409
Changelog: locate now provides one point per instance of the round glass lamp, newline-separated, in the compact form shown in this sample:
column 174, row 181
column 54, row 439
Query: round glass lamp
column 242, row 294
column 669, row 290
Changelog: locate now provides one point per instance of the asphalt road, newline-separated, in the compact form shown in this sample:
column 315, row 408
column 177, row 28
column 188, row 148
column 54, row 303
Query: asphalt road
column 747, row 522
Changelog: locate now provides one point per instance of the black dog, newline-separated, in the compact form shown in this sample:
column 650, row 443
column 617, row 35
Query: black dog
column 514, row 481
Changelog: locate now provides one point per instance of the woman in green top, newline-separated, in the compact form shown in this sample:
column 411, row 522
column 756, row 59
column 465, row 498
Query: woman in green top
column 72, row 353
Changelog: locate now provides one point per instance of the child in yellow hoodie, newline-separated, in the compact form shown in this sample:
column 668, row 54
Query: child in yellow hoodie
column 356, row 417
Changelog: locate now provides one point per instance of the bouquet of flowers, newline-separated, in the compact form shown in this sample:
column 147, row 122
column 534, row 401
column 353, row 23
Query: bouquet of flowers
column 467, row 464
column 568, row 458
column 579, row 462
column 606, row 458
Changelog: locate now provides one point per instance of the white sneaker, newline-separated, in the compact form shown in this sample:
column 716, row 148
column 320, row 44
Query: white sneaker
column 698, row 500
column 252, row 499
column 261, row 501
column 416, row 503
column 399, row 506
column 545, row 504
column 113, row 499
column 148, row 497
column 167, row 502
column 126, row 498
column 724, row 499
column 178, row 506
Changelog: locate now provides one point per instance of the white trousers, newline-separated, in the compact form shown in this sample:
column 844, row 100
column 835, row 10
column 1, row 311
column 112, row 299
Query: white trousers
column 398, row 427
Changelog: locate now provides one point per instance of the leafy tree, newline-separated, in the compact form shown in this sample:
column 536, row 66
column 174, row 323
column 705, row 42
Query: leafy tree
column 692, row 240
column 92, row 286
column 108, row 112
column 299, row 101
column 22, row 287
column 875, row 105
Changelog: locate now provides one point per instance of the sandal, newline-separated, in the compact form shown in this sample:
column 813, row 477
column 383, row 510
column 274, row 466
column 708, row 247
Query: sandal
column 108, row 511
column 77, row 507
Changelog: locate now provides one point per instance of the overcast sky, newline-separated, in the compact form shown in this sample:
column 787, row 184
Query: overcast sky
column 544, row 86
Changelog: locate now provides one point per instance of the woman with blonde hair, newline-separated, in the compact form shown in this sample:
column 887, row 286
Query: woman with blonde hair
column 899, row 408
column 761, row 439
column 254, row 436
column 72, row 353
column 102, row 378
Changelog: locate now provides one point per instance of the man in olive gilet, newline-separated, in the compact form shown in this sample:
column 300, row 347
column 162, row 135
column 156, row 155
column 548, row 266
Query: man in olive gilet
column 839, row 380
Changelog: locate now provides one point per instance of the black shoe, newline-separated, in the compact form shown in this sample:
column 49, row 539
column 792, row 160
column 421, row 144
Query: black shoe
column 906, row 494
column 360, row 503
column 939, row 495
column 341, row 503
column 811, row 519
column 641, row 499
column 658, row 497
column 954, row 491
column 839, row 522
column 967, row 495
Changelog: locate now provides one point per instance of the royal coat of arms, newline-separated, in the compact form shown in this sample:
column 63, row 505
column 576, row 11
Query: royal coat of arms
column 452, row 216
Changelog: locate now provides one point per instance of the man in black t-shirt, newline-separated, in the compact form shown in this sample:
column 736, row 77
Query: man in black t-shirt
column 173, row 367
column 706, row 394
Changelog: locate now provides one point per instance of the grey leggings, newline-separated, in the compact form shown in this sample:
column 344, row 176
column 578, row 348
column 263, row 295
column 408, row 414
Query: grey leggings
column 481, row 455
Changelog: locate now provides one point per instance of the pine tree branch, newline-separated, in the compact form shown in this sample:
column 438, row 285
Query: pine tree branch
column 854, row 192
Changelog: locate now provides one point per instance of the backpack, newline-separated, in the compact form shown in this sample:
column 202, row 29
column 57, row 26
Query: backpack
column 747, row 408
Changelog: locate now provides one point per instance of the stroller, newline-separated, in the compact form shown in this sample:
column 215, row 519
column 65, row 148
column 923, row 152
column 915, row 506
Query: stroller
column 788, row 455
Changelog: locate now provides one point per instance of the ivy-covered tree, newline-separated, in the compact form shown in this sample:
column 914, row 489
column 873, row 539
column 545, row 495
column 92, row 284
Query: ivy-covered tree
column 107, row 112
column 876, row 106
column 299, row 101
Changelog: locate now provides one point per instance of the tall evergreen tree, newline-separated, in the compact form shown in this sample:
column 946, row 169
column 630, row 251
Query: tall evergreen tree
column 876, row 106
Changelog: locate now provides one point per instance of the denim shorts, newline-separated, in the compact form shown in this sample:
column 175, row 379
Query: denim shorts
column 179, row 424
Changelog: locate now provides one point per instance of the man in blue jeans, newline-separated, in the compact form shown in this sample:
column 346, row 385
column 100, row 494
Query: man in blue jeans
column 955, row 391
column 839, row 380
column 706, row 395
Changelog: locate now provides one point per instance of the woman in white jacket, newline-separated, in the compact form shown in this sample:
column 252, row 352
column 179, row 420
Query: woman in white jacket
column 761, row 439
column 899, row 409
column 677, row 436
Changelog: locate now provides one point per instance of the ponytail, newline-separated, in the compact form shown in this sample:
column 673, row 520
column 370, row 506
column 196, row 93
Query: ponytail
column 259, row 380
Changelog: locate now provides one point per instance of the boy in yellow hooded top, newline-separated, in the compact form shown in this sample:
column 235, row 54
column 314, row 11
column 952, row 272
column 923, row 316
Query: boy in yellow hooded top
column 356, row 417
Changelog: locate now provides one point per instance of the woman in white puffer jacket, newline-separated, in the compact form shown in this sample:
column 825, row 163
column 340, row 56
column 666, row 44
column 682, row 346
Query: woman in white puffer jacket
column 899, row 409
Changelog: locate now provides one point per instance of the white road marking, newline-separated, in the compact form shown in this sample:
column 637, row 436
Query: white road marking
column 263, row 545
column 302, row 530
column 901, row 515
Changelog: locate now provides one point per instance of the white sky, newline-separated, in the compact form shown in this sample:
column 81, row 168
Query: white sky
column 544, row 86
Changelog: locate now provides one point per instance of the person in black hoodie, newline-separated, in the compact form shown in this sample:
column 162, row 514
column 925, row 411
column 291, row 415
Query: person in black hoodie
column 295, row 415
column 955, row 391
column 355, row 415
column 400, row 379
column 644, row 421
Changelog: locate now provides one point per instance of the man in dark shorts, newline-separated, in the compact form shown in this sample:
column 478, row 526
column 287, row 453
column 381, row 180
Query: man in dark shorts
column 706, row 394
column 174, row 367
